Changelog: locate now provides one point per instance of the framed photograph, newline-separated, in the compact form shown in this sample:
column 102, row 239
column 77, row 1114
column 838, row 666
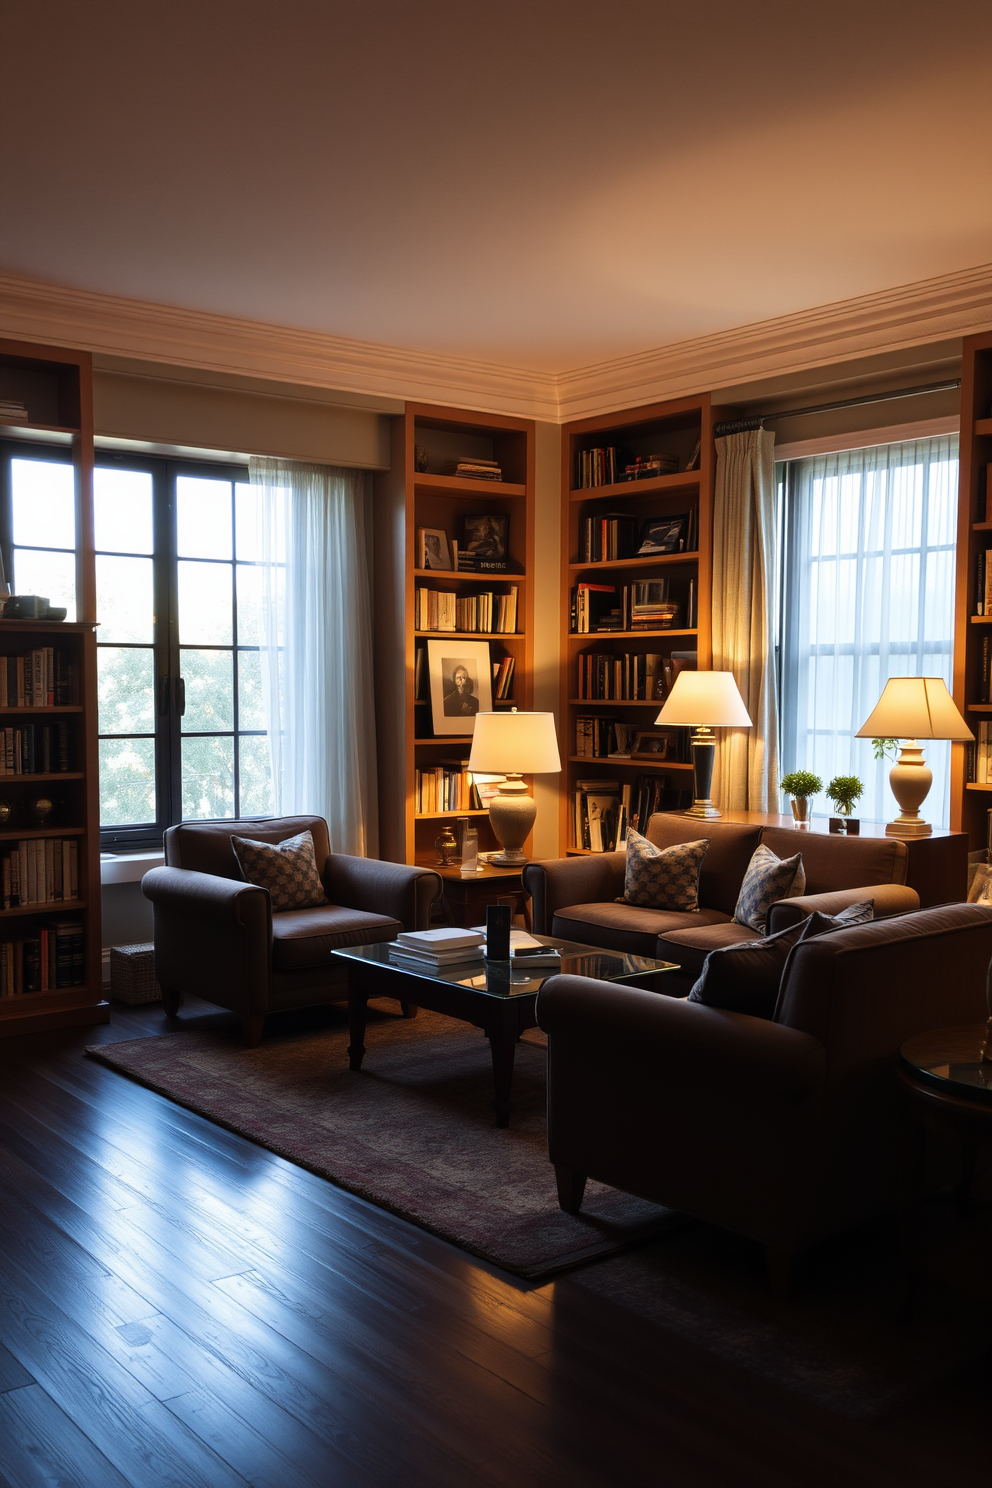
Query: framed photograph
column 650, row 744
column 461, row 684
column 432, row 548
column 483, row 544
column 663, row 535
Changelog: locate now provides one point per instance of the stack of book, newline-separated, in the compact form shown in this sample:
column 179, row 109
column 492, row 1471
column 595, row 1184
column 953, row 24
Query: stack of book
column 45, row 962
column 526, row 951
column 643, row 605
column 434, row 950
column 476, row 469
column 40, row 870
column 12, row 411
column 645, row 467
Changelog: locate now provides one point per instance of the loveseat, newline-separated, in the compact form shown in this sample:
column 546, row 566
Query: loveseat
column 576, row 898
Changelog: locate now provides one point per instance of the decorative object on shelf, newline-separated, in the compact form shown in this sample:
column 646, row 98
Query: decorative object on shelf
column 663, row 535
column 5, row 810
column 845, row 791
column 461, row 684
column 432, row 548
column 483, row 544
column 446, row 845
column 470, row 847
column 421, row 460
column 514, row 744
column 651, row 744
column 910, row 709
column 704, row 701
column 693, row 461
column 800, row 785
column 42, row 809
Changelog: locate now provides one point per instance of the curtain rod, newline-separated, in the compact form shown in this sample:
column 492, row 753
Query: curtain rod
column 741, row 426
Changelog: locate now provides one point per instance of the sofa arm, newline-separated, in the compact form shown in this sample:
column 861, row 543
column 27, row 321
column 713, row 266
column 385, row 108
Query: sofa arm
column 890, row 899
column 213, row 937
column 555, row 883
column 378, row 887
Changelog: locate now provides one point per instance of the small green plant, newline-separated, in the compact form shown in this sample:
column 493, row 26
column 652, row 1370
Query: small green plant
column 844, row 791
column 801, row 783
column 885, row 748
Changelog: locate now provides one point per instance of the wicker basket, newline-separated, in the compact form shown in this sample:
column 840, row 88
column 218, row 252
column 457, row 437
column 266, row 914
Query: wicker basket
column 132, row 974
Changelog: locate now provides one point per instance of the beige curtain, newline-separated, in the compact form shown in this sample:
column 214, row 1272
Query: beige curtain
column 745, row 558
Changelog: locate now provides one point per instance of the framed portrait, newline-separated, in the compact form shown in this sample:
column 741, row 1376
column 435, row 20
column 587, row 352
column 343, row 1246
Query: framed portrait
column 483, row 545
column 461, row 684
column 432, row 548
column 650, row 744
column 663, row 535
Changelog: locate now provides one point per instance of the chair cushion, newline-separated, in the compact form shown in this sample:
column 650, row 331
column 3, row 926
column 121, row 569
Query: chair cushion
column 768, row 878
column 205, row 847
column 625, row 927
column 689, row 948
column 745, row 978
column 663, row 877
column 287, row 869
column 306, row 937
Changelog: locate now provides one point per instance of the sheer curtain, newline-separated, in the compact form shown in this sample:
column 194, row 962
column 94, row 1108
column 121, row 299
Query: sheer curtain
column 317, row 646
column 869, row 594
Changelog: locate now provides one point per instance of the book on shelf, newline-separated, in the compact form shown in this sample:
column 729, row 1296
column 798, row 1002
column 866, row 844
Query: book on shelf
column 646, row 467
column 693, row 460
column 13, row 411
column 980, row 559
column 603, row 738
column 503, row 678
column 628, row 676
column 987, row 586
column 48, row 960
column 446, row 786
column 607, row 538
column 597, row 467
column 642, row 605
column 486, row 613
column 35, row 749
column 39, row 870
column 679, row 661
column 985, row 669
column 42, row 678
column 475, row 469
column 597, row 814
column 988, row 493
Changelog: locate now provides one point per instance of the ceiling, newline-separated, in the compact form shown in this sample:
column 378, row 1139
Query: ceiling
column 539, row 184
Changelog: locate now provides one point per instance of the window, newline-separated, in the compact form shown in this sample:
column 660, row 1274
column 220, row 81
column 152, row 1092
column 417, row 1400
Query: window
column 868, row 594
column 181, row 726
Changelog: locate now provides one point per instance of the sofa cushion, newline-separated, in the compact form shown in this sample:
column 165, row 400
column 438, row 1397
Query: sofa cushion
column 626, row 927
column 745, row 978
column 767, row 879
column 835, row 862
column 727, row 857
column 287, row 869
column 688, row 948
column 306, row 937
column 663, row 877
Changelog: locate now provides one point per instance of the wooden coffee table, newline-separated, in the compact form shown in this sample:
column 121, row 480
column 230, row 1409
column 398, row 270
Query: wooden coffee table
column 492, row 996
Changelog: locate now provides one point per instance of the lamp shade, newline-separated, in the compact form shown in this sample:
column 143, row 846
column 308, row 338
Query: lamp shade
column 704, row 700
column 915, row 708
column 514, row 743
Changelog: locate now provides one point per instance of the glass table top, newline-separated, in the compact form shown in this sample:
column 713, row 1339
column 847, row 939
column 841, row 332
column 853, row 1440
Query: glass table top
column 501, row 979
column 951, row 1060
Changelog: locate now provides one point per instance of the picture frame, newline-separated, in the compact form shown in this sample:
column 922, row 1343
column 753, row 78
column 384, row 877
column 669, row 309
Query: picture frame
column 432, row 549
column 460, row 684
column 663, row 535
column 650, row 744
column 484, row 543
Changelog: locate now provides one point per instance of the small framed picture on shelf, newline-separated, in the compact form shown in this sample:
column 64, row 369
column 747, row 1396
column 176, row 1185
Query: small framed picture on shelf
column 650, row 744
column 432, row 548
column 663, row 535
column 461, row 684
column 483, row 545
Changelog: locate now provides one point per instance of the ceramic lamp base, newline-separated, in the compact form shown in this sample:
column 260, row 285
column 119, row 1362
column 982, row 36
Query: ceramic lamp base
column 909, row 781
column 512, row 813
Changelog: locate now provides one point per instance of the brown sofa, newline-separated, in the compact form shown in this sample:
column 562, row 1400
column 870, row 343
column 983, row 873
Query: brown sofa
column 576, row 898
column 784, row 1130
column 217, row 937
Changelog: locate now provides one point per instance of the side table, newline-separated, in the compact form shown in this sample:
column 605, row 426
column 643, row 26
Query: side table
column 466, row 895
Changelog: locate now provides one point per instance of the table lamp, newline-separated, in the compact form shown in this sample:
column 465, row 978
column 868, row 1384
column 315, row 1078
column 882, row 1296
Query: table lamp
column 704, row 701
column 910, row 709
column 513, row 744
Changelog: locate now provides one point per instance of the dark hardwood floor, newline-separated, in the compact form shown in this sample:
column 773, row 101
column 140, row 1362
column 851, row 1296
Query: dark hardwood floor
column 182, row 1307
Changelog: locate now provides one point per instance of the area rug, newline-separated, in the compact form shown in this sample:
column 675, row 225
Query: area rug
column 413, row 1131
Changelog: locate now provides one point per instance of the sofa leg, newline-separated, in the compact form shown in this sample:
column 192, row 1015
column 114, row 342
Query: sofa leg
column 409, row 1009
column 571, row 1187
column 779, row 1262
column 252, row 1026
column 170, row 1001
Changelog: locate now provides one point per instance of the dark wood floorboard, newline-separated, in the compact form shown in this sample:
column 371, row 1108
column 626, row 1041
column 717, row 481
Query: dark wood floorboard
column 179, row 1306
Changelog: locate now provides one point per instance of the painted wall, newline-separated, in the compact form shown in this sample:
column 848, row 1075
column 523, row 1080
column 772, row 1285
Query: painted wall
column 547, row 619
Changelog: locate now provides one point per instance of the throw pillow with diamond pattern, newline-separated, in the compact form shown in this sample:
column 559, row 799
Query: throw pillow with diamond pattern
column 768, row 879
column 663, row 877
column 287, row 869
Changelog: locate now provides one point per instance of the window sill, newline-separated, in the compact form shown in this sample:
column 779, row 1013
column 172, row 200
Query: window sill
column 118, row 868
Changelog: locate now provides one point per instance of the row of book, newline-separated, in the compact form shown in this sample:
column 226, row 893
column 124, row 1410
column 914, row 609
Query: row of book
column 604, row 809
column 45, row 962
column 42, row 678
column 629, row 676
column 486, row 613
column 611, row 536
column 446, row 787
column 985, row 671
column 40, row 870
column 502, row 677
column 35, row 749
column 978, row 767
column 608, row 465
column 645, row 604
column 604, row 738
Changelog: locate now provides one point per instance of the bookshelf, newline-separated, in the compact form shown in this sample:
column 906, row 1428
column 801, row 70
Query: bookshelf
column 603, row 528
column 971, row 799
column 405, row 500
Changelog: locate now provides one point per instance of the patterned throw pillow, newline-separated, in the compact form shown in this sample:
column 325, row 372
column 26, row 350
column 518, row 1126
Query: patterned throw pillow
column 663, row 877
column 768, row 879
column 288, row 870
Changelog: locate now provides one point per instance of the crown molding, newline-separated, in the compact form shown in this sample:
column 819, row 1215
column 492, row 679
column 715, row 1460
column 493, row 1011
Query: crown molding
column 116, row 326
column 911, row 315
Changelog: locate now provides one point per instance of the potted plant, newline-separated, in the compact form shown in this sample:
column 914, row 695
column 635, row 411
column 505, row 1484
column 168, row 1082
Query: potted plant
column 800, row 785
column 844, row 791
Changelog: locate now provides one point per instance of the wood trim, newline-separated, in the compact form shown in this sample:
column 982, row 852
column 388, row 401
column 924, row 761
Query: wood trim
column 934, row 428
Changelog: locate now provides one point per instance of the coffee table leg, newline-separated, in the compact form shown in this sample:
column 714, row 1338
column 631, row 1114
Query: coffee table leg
column 358, row 1007
column 502, row 1038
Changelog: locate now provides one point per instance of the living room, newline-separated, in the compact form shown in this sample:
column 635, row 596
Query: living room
column 427, row 270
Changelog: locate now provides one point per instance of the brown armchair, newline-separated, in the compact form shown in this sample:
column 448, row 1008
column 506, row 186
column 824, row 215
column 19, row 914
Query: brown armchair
column 785, row 1130
column 217, row 937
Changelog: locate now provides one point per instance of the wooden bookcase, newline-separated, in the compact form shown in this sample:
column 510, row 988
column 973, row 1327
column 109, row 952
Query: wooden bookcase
column 670, row 429
column 971, row 802
column 56, row 387
column 404, row 500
